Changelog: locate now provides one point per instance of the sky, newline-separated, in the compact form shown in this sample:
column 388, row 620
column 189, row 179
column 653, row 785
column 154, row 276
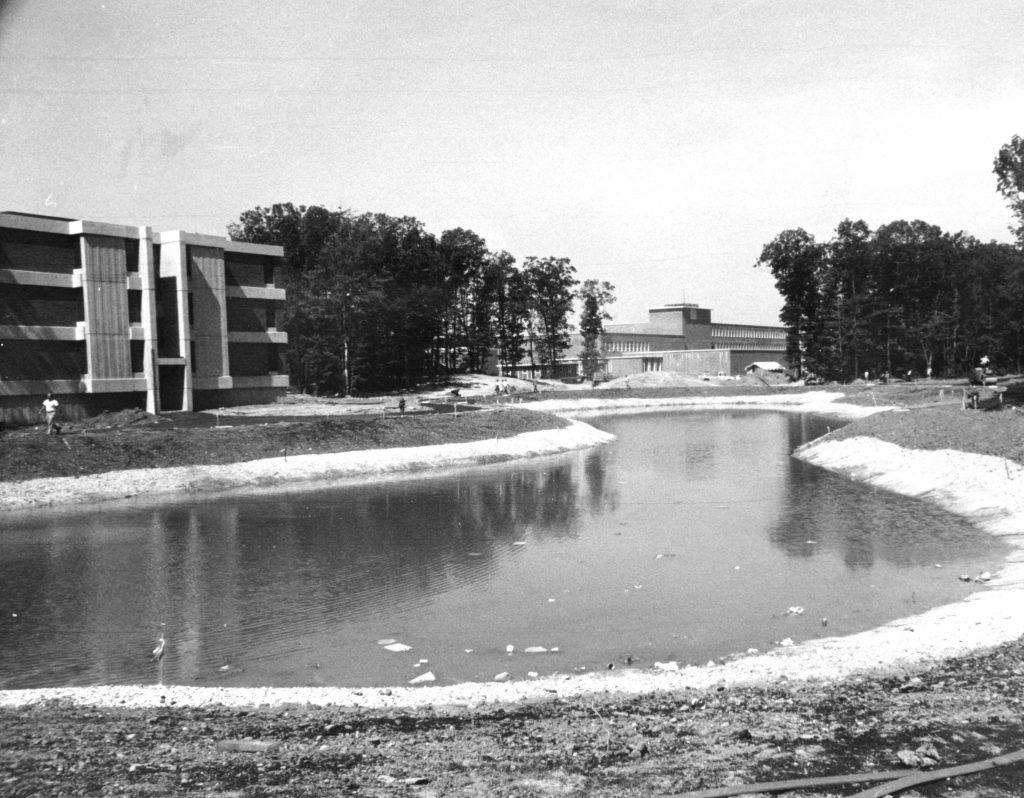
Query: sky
column 658, row 145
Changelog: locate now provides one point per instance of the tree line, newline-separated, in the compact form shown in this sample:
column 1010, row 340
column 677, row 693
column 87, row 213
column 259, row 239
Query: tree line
column 906, row 298
column 378, row 303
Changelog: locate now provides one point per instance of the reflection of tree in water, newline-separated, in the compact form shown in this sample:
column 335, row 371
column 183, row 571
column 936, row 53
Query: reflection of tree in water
column 595, row 472
column 866, row 524
column 350, row 552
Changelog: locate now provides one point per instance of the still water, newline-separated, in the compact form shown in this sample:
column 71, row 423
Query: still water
column 688, row 538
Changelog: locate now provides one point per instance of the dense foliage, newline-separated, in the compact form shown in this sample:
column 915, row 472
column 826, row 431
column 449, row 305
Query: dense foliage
column 1009, row 171
column 595, row 296
column 376, row 302
column 905, row 298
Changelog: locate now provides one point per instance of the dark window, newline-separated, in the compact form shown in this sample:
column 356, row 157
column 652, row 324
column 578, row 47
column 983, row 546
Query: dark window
column 35, row 305
column 254, row 360
column 246, row 315
column 244, row 269
column 138, row 353
column 42, row 360
column 167, row 317
column 131, row 248
column 38, row 252
column 135, row 307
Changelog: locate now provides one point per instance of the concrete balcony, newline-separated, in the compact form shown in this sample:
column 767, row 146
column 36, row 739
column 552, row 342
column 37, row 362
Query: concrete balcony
column 27, row 332
column 43, row 279
column 268, row 292
column 268, row 337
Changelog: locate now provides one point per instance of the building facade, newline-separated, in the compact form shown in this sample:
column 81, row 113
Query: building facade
column 680, row 338
column 108, row 317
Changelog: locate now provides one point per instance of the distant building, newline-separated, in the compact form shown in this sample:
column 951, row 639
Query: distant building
column 109, row 317
column 680, row 338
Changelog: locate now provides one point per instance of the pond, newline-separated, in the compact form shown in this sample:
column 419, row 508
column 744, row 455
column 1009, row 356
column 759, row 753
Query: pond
column 689, row 538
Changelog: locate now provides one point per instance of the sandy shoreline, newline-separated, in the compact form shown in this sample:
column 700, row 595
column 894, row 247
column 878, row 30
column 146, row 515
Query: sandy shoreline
column 293, row 471
column 987, row 490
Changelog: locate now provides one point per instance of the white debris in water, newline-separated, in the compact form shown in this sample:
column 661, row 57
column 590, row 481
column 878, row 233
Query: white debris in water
column 398, row 647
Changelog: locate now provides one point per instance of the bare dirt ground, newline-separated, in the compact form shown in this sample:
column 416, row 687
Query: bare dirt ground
column 925, row 715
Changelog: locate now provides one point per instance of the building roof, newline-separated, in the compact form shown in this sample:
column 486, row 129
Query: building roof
column 765, row 365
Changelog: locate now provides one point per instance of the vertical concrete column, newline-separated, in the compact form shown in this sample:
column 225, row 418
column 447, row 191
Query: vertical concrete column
column 174, row 263
column 147, row 276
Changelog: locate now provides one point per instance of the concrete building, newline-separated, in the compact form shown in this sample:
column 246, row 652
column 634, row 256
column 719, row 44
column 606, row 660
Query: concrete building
column 680, row 338
column 108, row 317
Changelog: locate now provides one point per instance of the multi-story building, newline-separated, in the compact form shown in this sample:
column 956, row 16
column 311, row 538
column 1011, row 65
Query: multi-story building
column 680, row 338
column 108, row 317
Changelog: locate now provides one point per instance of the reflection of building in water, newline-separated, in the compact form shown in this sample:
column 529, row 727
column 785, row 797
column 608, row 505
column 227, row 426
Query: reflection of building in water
column 680, row 338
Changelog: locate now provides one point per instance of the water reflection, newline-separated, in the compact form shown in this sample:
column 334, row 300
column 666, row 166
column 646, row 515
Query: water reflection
column 680, row 540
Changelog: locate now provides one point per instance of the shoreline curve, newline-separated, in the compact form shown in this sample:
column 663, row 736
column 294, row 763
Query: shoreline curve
column 983, row 488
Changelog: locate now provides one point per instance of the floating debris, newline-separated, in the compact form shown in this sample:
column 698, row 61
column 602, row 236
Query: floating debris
column 398, row 647
column 509, row 648
column 501, row 677
column 423, row 677
column 535, row 650
column 786, row 642
column 387, row 641
column 795, row 611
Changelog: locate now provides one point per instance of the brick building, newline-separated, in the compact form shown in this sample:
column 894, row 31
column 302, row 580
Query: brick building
column 108, row 317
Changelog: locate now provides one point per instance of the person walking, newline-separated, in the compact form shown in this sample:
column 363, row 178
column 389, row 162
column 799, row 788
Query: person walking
column 50, row 408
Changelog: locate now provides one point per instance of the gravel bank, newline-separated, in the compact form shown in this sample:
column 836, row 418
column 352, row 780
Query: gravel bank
column 290, row 471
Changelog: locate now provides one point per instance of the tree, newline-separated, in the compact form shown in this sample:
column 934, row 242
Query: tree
column 1009, row 171
column 469, row 325
column 551, row 284
column 511, row 308
column 796, row 262
column 595, row 296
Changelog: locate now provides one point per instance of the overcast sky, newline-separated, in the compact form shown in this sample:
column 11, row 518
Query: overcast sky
column 659, row 145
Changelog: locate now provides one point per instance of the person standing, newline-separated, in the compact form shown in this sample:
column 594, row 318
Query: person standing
column 50, row 408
